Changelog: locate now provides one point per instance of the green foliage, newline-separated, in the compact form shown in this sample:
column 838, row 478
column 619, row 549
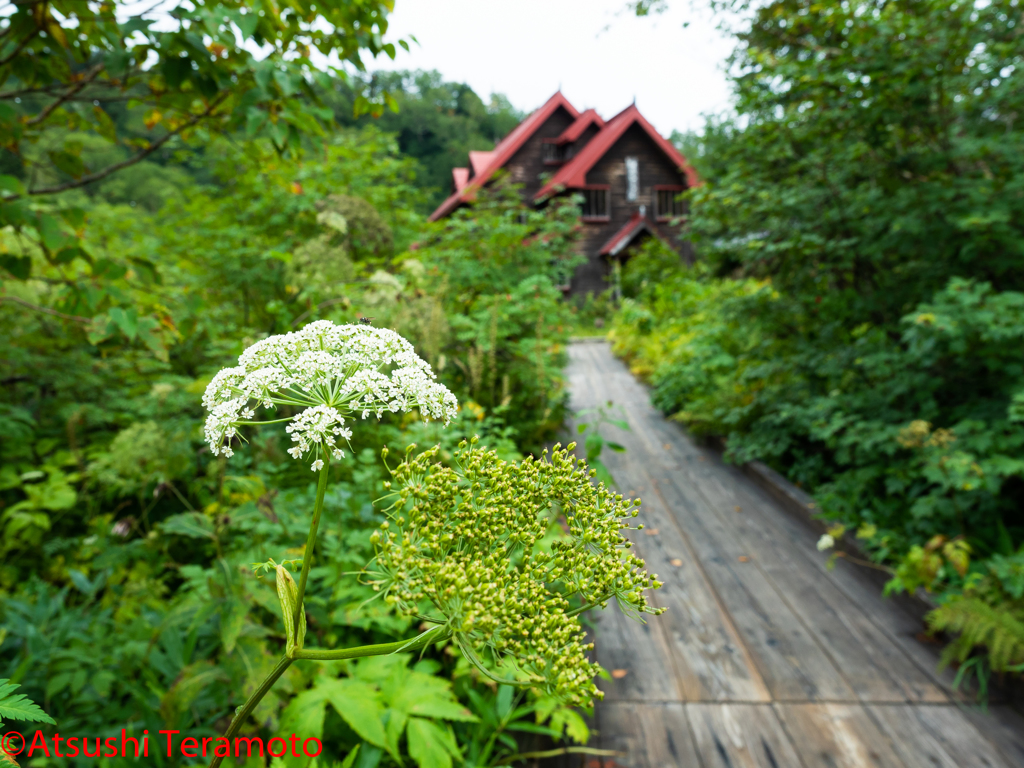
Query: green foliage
column 988, row 615
column 438, row 123
column 127, row 598
column 858, row 320
column 90, row 90
column 18, row 706
column 594, row 443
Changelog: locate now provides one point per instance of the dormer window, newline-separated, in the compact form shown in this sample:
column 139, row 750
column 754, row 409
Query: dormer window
column 669, row 204
column 554, row 154
column 595, row 203
column 632, row 179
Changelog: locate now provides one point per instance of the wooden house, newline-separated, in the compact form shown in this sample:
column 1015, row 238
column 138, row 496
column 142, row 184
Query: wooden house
column 629, row 176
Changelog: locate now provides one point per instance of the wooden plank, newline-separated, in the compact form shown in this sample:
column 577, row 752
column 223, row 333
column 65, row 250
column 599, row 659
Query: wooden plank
column 740, row 736
column 876, row 668
column 637, row 656
column 1004, row 727
column 711, row 661
column 837, row 736
column 935, row 736
column 791, row 663
column 648, row 735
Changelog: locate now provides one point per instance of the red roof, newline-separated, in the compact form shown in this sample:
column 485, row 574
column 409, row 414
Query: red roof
column 478, row 160
column 573, row 175
column 580, row 124
column 504, row 151
column 625, row 235
column 459, row 177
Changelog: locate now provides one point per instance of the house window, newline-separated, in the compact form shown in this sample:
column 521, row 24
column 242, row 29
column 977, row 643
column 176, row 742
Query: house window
column 669, row 204
column 553, row 153
column 632, row 178
column 595, row 204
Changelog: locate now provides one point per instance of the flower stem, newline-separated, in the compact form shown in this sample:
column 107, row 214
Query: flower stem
column 430, row 636
column 246, row 709
column 307, row 555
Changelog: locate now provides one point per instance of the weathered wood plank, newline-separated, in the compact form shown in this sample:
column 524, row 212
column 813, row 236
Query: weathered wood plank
column 837, row 736
column 935, row 736
column 871, row 662
column 790, row 661
column 637, row 656
column 1004, row 727
column 740, row 736
column 648, row 735
column 711, row 661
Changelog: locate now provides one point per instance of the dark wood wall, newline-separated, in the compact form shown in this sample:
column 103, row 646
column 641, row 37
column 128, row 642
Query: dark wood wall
column 526, row 166
column 655, row 169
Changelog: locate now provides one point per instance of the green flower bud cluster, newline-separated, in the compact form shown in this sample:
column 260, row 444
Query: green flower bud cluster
column 476, row 542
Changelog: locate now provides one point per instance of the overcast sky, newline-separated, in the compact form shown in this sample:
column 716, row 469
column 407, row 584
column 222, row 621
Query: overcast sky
column 600, row 55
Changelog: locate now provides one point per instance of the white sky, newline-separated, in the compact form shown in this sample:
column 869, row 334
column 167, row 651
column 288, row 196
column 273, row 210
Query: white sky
column 600, row 55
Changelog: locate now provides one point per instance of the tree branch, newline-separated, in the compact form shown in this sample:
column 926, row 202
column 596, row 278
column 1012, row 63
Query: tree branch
column 46, row 310
column 87, row 78
column 19, row 48
column 88, row 179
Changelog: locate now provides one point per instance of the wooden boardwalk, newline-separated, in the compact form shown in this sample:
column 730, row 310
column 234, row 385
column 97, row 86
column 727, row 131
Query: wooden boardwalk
column 764, row 658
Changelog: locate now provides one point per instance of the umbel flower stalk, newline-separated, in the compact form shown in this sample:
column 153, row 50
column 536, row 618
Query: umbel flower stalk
column 475, row 542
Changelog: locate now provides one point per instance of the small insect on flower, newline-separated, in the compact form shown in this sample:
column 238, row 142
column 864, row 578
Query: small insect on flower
column 332, row 372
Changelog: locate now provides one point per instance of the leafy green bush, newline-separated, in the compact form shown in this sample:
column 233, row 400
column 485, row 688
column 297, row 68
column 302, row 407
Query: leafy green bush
column 125, row 543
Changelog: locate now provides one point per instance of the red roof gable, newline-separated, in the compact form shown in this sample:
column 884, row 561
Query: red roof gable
column 625, row 235
column 504, row 151
column 573, row 175
column 580, row 124
column 478, row 160
column 459, row 177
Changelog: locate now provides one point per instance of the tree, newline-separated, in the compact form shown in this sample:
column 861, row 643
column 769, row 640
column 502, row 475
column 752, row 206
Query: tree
column 66, row 67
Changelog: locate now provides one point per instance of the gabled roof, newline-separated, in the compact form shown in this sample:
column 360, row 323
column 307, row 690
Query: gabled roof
column 478, row 160
column 459, row 178
column 504, row 151
column 573, row 175
column 621, row 239
column 586, row 119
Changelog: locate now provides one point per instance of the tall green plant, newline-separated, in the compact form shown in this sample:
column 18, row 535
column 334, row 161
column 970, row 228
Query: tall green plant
column 465, row 541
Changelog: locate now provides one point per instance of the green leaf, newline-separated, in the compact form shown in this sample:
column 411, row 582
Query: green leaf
column 126, row 320
column 350, row 758
column 19, row 266
column 359, row 705
column 232, row 619
column 20, row 707
column 430, row 745
column 50, row 232
column 191, row 524
column 304, row 716
column 104, row 125
column 69, row 163
column 443, row 710
column 247, row 24
column 11, row 184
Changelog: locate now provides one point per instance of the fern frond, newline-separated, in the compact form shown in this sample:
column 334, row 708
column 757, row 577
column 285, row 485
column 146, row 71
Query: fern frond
column 999, row 629
column 20, row 707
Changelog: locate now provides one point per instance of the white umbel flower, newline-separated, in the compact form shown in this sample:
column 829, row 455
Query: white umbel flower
column 827, row 541
column 334, row 371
